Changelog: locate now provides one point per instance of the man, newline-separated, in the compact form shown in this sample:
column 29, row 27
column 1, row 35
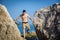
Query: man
column 25, row 24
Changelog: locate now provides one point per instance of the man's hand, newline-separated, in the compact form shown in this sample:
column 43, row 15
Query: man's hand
column 15, row 20
column 33, row 21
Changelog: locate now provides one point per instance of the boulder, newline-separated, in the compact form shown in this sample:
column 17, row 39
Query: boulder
column 8, row 28
column 47, row 22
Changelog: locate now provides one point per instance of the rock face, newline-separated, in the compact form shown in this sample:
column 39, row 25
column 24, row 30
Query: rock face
column 47, row 22
column 8, row 29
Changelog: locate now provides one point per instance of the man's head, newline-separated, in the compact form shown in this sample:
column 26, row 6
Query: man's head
column 24, row 11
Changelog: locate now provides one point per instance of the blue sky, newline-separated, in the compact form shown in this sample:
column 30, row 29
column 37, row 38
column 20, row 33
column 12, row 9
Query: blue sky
column 15, row 7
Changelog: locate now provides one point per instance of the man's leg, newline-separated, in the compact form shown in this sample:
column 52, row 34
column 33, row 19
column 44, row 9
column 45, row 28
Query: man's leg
column 24, row 30
column 28, row 27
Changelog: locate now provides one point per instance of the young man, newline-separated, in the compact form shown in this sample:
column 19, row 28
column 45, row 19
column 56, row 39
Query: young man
column 25, row 24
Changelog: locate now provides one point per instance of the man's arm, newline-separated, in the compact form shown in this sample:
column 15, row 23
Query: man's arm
column 17, row 18
column 30, row 18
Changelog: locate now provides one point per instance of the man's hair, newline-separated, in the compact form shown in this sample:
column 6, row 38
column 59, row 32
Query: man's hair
column 24, row 10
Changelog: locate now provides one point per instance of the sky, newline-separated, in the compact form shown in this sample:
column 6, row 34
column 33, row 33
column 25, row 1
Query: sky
column 15, row 7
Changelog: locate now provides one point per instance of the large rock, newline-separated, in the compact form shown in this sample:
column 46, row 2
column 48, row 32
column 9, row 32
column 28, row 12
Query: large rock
column 47, row 22
column 8, row 29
